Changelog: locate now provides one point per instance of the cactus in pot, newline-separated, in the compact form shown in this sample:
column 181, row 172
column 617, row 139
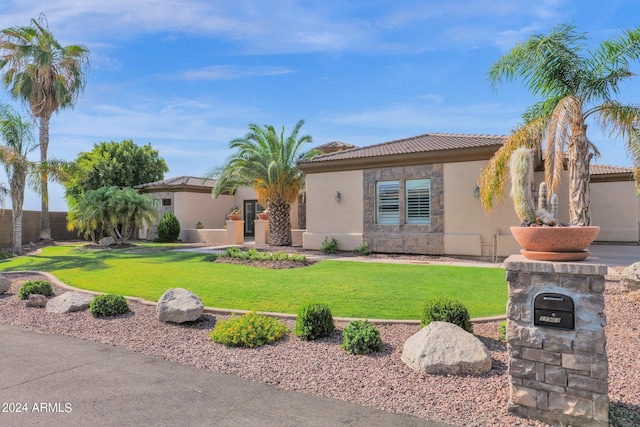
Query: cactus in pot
column 521, row 170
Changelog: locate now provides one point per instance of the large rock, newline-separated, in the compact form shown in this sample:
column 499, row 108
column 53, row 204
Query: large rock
column 68, row 302
column 4, row 284
column 178, row 305
column 444, row 348
column 106, row 241
column 630, row 279
column 37, row 300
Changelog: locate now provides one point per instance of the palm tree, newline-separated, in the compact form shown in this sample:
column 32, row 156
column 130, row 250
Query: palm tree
column 574, row 85
column 16, row 142
column 266, row 161
column 113, row 210
column 46, row 76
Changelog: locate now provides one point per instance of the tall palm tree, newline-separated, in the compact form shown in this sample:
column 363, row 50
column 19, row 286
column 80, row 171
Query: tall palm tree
column 266, row 161
column 16, row 142
column 46, row 76
column 575, row 84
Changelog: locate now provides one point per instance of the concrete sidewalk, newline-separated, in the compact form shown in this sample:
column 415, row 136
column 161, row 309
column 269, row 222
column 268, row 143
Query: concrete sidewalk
column 63, row 381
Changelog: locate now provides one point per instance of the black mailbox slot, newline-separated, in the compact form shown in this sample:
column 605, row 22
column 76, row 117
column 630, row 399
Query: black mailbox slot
column 554, row 311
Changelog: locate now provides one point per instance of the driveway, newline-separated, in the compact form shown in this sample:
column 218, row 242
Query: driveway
column 613, row 255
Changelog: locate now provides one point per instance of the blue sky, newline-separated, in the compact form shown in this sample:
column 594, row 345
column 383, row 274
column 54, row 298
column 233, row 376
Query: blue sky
column 188, row 76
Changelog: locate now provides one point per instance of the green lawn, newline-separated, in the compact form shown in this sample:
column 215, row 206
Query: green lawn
column 351, row 289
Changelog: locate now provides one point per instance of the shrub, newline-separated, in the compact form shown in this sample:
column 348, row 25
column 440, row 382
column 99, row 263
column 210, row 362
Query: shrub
column 361, row 337
column 255, row 255
column 363, row 249
column 329, row 246
column 41, row 287
column 446, row 310
column 314, row 321
column 250, row 330
column 169, row 228
column 502, row 331
column 108, row 305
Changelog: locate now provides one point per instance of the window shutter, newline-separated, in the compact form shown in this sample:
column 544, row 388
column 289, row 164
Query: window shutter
column 418, row 201
column 388, row 202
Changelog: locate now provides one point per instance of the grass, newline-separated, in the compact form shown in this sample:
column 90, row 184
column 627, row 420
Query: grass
column 351, row 289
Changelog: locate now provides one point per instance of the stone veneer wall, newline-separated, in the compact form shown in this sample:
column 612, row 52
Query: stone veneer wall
column 557, row 376
column 405, row 238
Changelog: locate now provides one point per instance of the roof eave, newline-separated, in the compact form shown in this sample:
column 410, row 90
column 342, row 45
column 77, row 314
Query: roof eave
column 438, row 156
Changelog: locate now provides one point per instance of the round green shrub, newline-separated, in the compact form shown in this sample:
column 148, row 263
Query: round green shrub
column 361, row 337
column 108, row 305
column 330, row 246
column 169, row 228
column 41, row 287
column 250, row 330
column 446, row 310
column 314, row 321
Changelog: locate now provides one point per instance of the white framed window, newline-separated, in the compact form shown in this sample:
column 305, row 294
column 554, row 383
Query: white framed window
column 417, row 201
column 388, row 202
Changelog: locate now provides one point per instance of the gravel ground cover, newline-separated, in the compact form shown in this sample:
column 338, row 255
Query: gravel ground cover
column 321, row 367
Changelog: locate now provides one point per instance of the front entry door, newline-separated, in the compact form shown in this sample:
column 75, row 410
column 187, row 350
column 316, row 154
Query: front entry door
column 249, row 217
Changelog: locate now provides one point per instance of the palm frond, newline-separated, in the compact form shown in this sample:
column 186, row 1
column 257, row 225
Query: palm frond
column 493, row 178
column 624, row 121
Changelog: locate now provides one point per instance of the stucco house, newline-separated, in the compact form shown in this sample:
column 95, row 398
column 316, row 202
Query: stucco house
column 419, row 195
column 190, row 200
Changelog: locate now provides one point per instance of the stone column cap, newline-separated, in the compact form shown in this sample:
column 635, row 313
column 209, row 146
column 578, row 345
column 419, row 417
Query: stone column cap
column 525, row 265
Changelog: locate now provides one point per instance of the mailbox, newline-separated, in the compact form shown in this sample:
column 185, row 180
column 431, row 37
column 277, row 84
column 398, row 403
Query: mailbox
column 554, row 311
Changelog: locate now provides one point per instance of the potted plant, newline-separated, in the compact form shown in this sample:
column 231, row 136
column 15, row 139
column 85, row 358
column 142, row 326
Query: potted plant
column 264, row 215
column 235, row 214
column 540, row 234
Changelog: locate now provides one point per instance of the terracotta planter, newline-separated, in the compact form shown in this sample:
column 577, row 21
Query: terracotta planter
column 234, row 217
column 263, row 216
column 555, row 243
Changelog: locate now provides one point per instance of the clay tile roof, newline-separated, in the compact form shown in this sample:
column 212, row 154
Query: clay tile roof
column 415, row 144
column 180, row 181
column 609, row 170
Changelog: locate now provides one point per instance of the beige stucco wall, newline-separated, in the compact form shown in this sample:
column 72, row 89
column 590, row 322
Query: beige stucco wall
column 327, row 217
column 190, row 208
column 614, row 207
column 469, row 230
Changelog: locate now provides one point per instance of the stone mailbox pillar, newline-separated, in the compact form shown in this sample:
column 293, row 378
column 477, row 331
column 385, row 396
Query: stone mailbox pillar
column 558, row 363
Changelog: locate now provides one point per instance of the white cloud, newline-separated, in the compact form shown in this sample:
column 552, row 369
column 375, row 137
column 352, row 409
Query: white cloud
column 227, row 72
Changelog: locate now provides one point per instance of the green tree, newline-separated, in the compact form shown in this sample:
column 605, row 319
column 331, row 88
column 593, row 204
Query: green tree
column 46, row 77
column 574, row 84
column 121, row 164
column 113, row 210
column 266, row 161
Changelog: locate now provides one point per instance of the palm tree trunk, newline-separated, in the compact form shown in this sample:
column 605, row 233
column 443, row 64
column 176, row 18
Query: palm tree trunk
column 45, row 227
column 279, row 223
column 579, row 213
column 17, row 184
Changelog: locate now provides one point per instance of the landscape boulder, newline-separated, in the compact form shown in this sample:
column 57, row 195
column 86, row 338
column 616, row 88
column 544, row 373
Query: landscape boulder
column 444, row 348
column 630, row 279
column 4, row 284
column 179, row 305
column 37, row 300
column 106, row 241
column 69, row 302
